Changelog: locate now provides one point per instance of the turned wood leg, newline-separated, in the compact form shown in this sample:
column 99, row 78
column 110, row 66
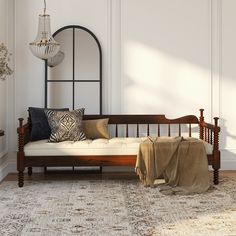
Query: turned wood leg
column 20, row 179
column 100, row 170
column 30, row 171
column 216, row 177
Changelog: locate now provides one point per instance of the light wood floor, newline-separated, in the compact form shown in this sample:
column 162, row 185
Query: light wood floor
column 78, row 175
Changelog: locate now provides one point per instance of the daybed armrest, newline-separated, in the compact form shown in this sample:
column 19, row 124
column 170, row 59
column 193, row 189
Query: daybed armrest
column 209, row 132
column 23, row 134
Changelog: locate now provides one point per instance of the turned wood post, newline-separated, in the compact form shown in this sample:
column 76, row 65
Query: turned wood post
column 201, row 120
column 20, row 154
column 216, row 152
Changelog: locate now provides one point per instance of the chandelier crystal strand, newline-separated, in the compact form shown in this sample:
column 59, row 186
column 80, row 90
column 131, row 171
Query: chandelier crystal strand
column 44, row 46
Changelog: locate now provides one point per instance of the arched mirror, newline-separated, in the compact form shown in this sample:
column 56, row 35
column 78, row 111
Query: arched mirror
column 73, row 78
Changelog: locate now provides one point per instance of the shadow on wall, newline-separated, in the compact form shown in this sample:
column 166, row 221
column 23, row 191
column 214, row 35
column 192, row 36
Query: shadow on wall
column 182, row 32
column 225, row 135
column 159, row 82
column 228, row 161
column 143, row 98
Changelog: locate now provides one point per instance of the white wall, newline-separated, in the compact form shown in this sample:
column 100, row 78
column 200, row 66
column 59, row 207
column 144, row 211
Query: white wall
column 6, row 87
column 165, row 56
column 228, row 82
column 160, row 56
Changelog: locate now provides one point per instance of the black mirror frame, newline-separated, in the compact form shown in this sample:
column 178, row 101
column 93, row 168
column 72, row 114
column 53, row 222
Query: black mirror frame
column 100, row 66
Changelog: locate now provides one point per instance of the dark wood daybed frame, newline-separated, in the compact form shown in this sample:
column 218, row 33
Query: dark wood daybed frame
column 207, row 132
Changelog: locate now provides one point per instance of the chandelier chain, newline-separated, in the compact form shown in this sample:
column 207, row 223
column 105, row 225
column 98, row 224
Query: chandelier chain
column 44, row 9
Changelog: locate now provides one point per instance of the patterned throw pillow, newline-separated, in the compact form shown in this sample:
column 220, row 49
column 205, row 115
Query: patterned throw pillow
column 66, row 125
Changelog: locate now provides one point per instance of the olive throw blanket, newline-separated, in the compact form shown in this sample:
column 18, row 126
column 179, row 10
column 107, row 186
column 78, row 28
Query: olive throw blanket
column 181, row 162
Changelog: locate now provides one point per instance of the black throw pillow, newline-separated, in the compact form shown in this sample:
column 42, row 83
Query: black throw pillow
column 40, row 127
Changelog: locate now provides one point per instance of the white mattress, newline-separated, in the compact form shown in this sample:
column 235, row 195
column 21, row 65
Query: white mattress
column 114, row 146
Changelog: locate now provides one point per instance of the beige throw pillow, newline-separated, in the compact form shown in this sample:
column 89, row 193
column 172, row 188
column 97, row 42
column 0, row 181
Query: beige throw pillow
column 96, row 128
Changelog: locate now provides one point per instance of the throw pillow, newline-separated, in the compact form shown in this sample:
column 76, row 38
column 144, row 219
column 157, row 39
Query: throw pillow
column 66, row 125
column 96, row 128
column 40, row 128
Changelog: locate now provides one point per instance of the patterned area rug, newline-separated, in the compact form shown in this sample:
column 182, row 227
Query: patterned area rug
column 113, row 207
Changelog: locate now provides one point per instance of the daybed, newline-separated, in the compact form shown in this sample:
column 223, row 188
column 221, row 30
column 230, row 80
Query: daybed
column 117, row 151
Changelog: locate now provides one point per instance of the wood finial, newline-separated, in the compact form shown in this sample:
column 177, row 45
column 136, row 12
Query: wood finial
column 1, row 133
column 21, row 122
column 216, row 121
column 201, row 112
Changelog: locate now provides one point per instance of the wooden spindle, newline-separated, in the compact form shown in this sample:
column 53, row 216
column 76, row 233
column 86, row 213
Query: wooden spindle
column 208, row 136
column 190, row 130
column 148, row 130
column 158, row 130
column 179, row 130
column 211, row 138
column 137, row 130
column 116, row 130
column 127, row 130
column 168, row 130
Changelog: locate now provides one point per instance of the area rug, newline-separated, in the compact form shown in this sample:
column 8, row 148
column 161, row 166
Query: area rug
column 113, row 207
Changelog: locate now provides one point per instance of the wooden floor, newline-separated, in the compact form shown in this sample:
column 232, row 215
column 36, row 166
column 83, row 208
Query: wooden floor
column 78, row 175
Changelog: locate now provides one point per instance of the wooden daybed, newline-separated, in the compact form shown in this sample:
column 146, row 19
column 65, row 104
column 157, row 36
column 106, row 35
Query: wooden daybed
column 207, row 132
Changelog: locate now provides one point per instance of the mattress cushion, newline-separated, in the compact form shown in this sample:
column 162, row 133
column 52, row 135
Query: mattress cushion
column 113, row 146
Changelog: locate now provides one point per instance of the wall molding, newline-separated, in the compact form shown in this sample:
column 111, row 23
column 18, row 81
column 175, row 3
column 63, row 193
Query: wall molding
column 4, row 170
column 115, row 57
column 216, row 57
column 109, row 56
column 3, row 153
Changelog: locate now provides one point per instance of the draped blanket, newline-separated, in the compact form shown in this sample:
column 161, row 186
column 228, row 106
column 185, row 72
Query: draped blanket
column 181, row 162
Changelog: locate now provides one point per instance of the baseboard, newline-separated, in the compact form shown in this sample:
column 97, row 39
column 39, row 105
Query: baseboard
column 4, row 170
column 11, row 167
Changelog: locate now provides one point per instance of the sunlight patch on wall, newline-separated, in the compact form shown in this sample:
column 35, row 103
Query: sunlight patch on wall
column 156, row 82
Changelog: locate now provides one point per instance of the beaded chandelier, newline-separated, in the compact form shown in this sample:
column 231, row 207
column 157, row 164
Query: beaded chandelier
column 44, row 46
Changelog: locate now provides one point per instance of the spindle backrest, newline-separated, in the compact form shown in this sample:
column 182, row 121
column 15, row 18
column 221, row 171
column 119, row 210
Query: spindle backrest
column 147, row 120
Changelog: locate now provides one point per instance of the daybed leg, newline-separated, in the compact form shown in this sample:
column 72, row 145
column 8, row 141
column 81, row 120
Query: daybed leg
column 20, row 153
column 100, row 170
column 30, row 171
column 216, row 176
column 20, row 179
